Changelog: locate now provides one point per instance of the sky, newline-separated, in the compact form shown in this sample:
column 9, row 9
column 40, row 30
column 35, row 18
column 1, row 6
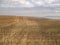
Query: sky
column 29, row 3
column 37, row 8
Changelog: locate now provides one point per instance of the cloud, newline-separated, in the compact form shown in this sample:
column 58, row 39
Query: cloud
column 49, row 1
column 25, row 3
column 29, row 3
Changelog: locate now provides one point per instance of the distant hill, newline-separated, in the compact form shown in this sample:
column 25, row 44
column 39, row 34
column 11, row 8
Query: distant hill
column 16, row 30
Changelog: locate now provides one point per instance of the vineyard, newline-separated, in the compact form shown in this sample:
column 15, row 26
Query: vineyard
column 29, row 31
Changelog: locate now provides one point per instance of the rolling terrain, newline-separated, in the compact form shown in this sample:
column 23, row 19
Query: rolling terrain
column 16, row 30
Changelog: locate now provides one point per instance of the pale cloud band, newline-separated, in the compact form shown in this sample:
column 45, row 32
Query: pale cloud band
column 29, row 3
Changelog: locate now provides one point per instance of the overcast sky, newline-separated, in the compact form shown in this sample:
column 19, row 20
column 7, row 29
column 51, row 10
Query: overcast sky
column 37, row 8
column 29, row 3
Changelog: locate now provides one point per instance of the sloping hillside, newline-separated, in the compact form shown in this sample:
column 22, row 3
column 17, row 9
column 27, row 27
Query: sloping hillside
column 29, row 31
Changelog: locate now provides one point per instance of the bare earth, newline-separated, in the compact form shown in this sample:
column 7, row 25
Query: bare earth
column 29, row 31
